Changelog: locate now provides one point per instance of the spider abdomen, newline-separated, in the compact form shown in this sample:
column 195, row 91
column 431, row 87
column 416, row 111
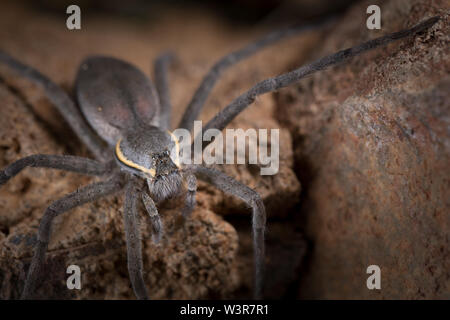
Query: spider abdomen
column 115, row 96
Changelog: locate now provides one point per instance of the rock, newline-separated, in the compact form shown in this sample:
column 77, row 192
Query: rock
column 372, row 151
column 198, row 260
column 199, row 255
column 280, row 192
column 285, row 252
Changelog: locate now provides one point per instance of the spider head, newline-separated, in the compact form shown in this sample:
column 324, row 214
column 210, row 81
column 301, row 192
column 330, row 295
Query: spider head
column 152, row 154
column 167, row 179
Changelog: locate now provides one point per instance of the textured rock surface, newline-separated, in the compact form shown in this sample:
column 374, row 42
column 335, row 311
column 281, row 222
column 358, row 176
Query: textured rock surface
column 195, row 260
column 372, row 150
column 369, row 141
column 198, row 260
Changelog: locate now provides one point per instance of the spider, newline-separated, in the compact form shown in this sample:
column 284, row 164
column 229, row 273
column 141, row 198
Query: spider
column 124, row 121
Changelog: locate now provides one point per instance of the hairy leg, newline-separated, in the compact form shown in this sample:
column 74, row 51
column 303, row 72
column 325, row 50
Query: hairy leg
column 63, row 102
column 229, row 185
column 221, row 119
column 162, row 87
column 198, row 100
column 190, row 202
column 155, row 219
column 87, row 194
column 62, row 162
column 134, row 246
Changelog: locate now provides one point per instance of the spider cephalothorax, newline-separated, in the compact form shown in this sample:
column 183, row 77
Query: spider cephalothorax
column 153, row 155
column 118, row 105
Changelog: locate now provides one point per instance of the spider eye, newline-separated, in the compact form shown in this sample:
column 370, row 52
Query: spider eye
column 166, row 152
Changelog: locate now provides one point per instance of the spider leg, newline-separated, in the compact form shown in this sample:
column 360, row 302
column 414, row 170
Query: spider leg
column 229, row 185
column 62, row 162
column 87, row 194
column 63, row 102
column 198, row 100
column 155, row 219
column 221, row 119
column 162, row 87
column 132, row 233
column 190, row 202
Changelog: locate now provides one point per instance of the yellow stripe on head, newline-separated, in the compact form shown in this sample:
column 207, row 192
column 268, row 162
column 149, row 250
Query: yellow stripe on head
column 130, row 163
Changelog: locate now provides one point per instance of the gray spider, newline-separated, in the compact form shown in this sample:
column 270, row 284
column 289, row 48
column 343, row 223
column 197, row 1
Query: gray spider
column 123, row 121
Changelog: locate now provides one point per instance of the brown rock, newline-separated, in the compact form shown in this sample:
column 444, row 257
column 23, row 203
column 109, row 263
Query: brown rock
column 198, row 260
column 285, row 250
column 199, row 255
column 372, row 151
column 281, row 191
